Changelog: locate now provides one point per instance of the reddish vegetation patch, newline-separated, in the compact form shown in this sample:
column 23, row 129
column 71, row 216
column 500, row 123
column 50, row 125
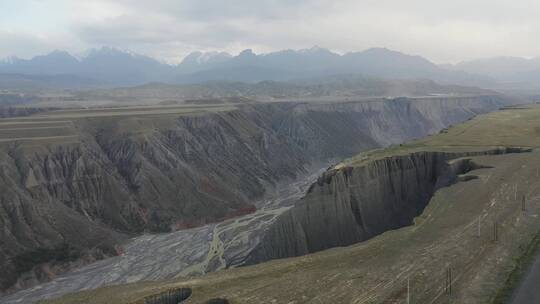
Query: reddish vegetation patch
column 119, row 250
column 45, row 268
column 183, row 225
column 207, row 185
column 239, row 212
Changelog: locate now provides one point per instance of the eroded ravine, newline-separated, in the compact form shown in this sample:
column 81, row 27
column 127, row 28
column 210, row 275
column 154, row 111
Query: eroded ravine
column 312, row 133
column 187, row 252
column 352, row 203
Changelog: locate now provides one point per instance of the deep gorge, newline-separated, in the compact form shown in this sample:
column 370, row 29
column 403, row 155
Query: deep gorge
column 351, row 204
column 129, row 175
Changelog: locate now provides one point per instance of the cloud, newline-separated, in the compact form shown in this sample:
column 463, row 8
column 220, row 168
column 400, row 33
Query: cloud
column 25, row 45
column 169, row 29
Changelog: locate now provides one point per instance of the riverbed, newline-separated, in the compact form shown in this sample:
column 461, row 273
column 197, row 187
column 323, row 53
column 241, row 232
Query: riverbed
column 182, row 253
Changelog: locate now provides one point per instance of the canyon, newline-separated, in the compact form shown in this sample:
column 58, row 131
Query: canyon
column 84, row 182
column 463, row 201
column 352, row 204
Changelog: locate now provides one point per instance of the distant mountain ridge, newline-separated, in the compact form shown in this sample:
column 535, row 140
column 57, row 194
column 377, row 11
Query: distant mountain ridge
column 512, row 71
column 105, row 65
column 116, row 67
column 343, row 86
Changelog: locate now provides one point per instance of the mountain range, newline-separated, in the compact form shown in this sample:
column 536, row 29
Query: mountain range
column 113, row 67
column 105, row 66
column 510, row 72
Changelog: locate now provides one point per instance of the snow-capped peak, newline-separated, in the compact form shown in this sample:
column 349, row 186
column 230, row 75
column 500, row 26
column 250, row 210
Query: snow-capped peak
column 206, row 57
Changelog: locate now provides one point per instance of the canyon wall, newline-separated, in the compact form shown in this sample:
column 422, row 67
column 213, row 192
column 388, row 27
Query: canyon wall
column 351, row 204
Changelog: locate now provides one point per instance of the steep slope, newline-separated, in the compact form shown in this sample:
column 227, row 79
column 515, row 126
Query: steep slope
column 351, row 204
column 112, row 172
column 100, row 67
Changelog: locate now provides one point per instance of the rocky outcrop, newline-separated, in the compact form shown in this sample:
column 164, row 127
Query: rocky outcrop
column 172, row 296
column 352, row 204
column 128, row 175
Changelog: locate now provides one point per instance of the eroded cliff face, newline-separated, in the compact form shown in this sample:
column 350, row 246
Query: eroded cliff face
column 352, row 204
column 126, row 175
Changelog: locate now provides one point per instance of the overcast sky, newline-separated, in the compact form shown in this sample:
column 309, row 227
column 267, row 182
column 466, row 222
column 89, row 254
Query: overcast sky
column 442, row 31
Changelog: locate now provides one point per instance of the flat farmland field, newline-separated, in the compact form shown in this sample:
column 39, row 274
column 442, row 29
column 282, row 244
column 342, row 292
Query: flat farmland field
column 65, row 125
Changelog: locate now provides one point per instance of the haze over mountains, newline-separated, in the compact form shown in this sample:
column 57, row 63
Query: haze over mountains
column 112, row 67
column 515, row 71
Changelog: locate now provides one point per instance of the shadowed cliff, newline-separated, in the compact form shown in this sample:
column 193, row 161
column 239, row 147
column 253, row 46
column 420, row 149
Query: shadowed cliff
column 351, row 204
